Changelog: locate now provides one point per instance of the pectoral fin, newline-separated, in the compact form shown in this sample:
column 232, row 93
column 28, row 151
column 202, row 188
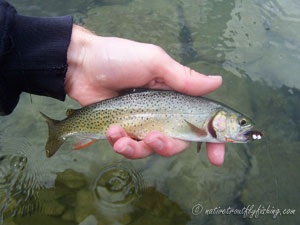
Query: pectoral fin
column 198, row 146
column 198, row 131
column 82, row 142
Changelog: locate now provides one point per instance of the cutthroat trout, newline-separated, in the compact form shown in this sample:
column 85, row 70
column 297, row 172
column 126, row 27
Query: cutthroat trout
column 177, row 115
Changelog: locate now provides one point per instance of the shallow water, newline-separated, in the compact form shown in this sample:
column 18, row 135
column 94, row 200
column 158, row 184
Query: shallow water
column 254, row 45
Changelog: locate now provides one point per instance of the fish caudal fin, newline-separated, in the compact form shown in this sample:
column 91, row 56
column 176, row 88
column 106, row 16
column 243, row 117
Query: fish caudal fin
column 54, row 141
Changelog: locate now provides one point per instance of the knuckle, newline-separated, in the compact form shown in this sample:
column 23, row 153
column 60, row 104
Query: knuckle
column 157, row 49
column 157, row 54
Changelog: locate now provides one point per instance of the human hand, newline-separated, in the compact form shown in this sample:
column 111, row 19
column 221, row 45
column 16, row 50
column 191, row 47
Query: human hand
column 101, row 67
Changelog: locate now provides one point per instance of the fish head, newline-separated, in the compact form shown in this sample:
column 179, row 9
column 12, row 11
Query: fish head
column 230, row 126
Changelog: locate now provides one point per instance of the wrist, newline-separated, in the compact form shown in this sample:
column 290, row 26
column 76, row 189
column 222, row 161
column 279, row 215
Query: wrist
column 77, row 54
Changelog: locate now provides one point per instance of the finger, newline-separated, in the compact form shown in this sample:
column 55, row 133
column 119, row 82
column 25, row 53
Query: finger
column 114, row 133
column 164, row 145
column 132, row 149
column 216, row 153
column 186, row 80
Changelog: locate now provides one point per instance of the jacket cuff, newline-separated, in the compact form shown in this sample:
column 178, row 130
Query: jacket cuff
column 37, row 59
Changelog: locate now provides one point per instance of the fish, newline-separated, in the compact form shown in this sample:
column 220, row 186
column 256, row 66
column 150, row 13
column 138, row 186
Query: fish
column 140, row 111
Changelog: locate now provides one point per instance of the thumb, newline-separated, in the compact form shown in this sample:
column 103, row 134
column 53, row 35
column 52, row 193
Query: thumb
column 188, row 81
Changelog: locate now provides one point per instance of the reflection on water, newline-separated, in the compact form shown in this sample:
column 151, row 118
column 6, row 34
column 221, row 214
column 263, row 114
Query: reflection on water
column 254, row 45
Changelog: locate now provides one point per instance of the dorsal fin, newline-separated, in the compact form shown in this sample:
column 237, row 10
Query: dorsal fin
column 138, row 90
column 70, row 111
column 134, row 90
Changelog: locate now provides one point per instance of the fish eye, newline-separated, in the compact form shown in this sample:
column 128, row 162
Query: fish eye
column 243, row 122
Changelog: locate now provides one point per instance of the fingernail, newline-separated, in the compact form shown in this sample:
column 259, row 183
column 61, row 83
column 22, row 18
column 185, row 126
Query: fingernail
column 127, row 150
column 214, row 76
column 156, row 144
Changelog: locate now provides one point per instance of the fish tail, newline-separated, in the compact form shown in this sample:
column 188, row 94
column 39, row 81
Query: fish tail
column 54, row 140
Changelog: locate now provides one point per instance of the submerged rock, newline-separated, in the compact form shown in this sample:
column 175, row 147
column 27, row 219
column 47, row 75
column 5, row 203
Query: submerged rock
column 71, row 179
column 156, row 208
column 51, row 194
column 68, row 215
column 40, row 219
column 53, row 208
column 84, row 205
column 90, row 220
column 10, row 222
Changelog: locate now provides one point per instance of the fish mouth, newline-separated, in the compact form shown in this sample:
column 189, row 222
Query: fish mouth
column 245, row 135
column 252, row 135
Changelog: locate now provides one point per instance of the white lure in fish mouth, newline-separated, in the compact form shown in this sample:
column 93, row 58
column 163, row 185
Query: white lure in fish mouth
column 253, row 135
column 256, row 136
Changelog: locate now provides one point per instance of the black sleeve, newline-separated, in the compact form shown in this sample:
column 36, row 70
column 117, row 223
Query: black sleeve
column 33, row 56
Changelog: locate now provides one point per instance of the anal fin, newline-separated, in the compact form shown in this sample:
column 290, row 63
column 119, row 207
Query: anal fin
column 82, row 142
column 198, row 146
column 134, row 137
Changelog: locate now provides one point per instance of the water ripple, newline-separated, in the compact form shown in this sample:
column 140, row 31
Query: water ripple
column 116, row 188
column 287, row 10
column 21, row 175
